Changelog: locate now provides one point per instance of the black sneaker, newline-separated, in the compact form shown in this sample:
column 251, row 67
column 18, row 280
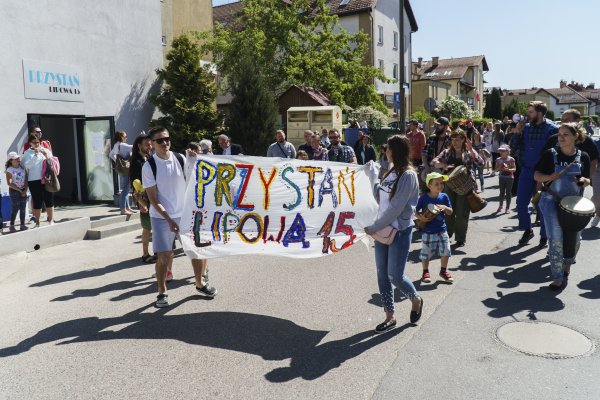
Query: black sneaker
column 543, row 243
column 162, row 300
column 385, row 326
column 527, row 236
column 208, row 291
column 459, row 244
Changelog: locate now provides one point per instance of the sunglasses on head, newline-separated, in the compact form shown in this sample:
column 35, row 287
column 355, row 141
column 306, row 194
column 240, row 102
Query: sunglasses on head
column 162, row 140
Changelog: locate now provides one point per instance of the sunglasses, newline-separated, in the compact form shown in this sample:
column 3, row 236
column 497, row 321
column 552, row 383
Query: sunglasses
column 162, row 140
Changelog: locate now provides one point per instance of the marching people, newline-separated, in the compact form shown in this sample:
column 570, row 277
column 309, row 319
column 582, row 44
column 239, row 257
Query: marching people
column 32, row 160
column 480, row 148
column 434, row 236
column 397, row 195
column 358, row 144
column 515, row 151
column 226, row 148
column 486, row 136
column 16, row 180
column 366, row 152
column 565, row 171
column 436, row 143
column 121, row 149
column 281, row 148
column 142, row 147
column 505, row 167
column 383, row 161
column 340, row 152
column 460, row 152
column 531, row 142
column 164, row 181
column 497, row 140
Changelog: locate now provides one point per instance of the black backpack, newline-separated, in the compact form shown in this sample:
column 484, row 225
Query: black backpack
column 179, row 158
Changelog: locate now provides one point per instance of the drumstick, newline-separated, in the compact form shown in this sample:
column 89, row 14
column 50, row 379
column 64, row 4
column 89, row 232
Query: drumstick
column 562, row 171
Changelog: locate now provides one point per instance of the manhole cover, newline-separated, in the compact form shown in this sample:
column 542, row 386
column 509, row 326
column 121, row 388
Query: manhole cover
column 544, row 339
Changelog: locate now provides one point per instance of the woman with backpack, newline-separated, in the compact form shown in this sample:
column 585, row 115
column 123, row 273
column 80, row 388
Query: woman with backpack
column 120, row 154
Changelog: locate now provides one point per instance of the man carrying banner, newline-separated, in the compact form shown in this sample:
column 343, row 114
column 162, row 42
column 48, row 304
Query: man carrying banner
column 281, row 148
column 164, row 181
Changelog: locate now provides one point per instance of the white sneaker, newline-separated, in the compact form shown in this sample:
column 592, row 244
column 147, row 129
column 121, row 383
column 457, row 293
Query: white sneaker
column 162, row 300
column 595, row 221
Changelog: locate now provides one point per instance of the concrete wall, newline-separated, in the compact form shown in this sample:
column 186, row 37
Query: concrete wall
column 116, row 45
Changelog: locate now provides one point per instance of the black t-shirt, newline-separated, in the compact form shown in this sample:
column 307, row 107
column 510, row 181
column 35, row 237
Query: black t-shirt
column 546, row 163
column 587, row 145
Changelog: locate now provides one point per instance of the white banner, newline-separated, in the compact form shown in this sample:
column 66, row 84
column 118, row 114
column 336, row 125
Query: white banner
column 255, row 205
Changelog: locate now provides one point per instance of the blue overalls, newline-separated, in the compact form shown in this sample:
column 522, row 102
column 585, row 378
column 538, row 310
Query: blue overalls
column 532, row 142
column 565, row 185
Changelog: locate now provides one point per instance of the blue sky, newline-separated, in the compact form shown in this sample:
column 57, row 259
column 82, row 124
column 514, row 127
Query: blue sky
column 566, row 46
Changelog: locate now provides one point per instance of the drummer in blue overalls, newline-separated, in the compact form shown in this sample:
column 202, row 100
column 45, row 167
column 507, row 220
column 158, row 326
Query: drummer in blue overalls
column 534, row 136
column 570, row 183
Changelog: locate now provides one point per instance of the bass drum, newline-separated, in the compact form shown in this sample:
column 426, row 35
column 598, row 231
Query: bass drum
column 574, row 213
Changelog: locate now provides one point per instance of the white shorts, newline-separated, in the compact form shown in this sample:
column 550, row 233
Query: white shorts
column 162, row 236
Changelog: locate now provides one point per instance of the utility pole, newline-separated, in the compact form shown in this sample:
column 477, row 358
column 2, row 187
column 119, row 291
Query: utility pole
column 402, row 110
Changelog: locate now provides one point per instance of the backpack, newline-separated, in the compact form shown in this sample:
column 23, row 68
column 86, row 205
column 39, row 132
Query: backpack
column 152, row 163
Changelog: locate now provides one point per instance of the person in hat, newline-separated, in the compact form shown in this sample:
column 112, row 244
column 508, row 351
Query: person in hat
column 366, row 152
column 417, row 142
column 436, row 143
column 435, row 237
column 505, row 166
column 16, row 179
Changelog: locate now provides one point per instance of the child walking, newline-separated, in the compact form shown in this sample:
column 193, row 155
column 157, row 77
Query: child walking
column 506, row 167
column 435, row 237
column 16, row 179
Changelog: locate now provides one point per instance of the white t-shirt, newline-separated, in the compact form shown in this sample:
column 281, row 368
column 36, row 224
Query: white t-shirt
column 385, row 188
column 169, row 182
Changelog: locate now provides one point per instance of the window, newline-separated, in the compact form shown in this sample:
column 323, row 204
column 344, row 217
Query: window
column 380, row 36
column 395, row 73
column 164, row 40
column 381, row 66
column 395, row 40
column 344, row 3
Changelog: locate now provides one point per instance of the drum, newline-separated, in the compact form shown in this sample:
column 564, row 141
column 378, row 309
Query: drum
column 476, row 203
column 574, row 213
column 429, row 214
column 460, row 180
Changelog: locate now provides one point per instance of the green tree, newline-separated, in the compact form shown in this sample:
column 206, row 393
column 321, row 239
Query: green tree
column 453, row 108
column 515, row 107
column 187, row 94
column 420, row 115
column 298, row 42
column 253, row 111
column 550, row 115
column 493, row 105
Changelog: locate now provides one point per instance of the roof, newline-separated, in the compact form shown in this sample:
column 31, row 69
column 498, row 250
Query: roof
column 323, row 108
column 591, row 94
column 566, row 95
column 521, row 92
column 316, row 94
column 453, row 68
column 227, row 13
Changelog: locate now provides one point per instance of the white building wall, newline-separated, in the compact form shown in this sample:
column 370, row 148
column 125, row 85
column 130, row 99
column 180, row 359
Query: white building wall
column 115, row 44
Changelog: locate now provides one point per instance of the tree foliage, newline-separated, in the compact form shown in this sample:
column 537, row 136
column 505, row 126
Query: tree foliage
column 253, row 111
column 454, row 108
column 298, row 42
column 515, row 107
column 493, row 105
column 420, row 115
column 187, row 95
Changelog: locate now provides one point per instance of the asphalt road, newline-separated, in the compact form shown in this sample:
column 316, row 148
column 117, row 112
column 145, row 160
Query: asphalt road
column 78, row 322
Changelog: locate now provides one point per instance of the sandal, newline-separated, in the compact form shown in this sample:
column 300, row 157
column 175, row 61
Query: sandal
column 148, row 259
column 385, row 326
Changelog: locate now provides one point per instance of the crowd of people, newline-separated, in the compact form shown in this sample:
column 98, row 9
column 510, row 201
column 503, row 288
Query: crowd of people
column 538, row 161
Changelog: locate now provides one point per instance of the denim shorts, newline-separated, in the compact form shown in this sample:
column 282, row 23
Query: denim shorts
column 162, row 236
column 435, row 244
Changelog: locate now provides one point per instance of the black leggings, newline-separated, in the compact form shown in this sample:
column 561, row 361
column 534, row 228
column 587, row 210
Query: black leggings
column 39, row 195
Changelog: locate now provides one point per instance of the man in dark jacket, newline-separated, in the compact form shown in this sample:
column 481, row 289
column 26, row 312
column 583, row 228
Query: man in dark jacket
column 226, row 148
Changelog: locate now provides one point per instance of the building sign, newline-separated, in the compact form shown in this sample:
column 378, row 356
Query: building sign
column 43, row 80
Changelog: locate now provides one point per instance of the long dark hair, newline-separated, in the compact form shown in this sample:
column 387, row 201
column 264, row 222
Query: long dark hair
column 400, row 149
column 135, row 154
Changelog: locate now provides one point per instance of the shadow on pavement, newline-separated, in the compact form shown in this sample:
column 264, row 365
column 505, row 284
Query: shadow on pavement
column 530, row 273
column 91, row 273
column 376, row 298
column 540, row 300
column 268, row 337
column 593, row 285
column 590, row 234
column 508, row 257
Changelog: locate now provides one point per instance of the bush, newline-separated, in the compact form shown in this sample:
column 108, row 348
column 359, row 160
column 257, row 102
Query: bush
column 420, row 115
column 454, row 108
column 374, row 117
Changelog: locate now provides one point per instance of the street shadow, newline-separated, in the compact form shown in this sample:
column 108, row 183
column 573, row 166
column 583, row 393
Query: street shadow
column 530, row 273
column 376, row 298
column 508, row 257
column 426, row 287
column 493, row 215
column 593, row 287
column 540, row 300
column 269, row 337
column 141, row 287
column 91, row 273
column 590, row 234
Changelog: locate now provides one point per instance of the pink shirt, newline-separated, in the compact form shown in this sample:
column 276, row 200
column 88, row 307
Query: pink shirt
column 510, row 163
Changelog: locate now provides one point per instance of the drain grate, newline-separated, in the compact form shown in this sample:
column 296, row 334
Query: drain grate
column 544, row 339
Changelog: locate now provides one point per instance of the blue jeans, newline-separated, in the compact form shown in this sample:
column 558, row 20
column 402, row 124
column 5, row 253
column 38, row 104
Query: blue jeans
column 19, row 204
column 525, row 190
column 124, row 195
column 390, row 261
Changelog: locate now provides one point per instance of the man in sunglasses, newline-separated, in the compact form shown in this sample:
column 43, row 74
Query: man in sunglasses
column 37, row 132
column 163, row 176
